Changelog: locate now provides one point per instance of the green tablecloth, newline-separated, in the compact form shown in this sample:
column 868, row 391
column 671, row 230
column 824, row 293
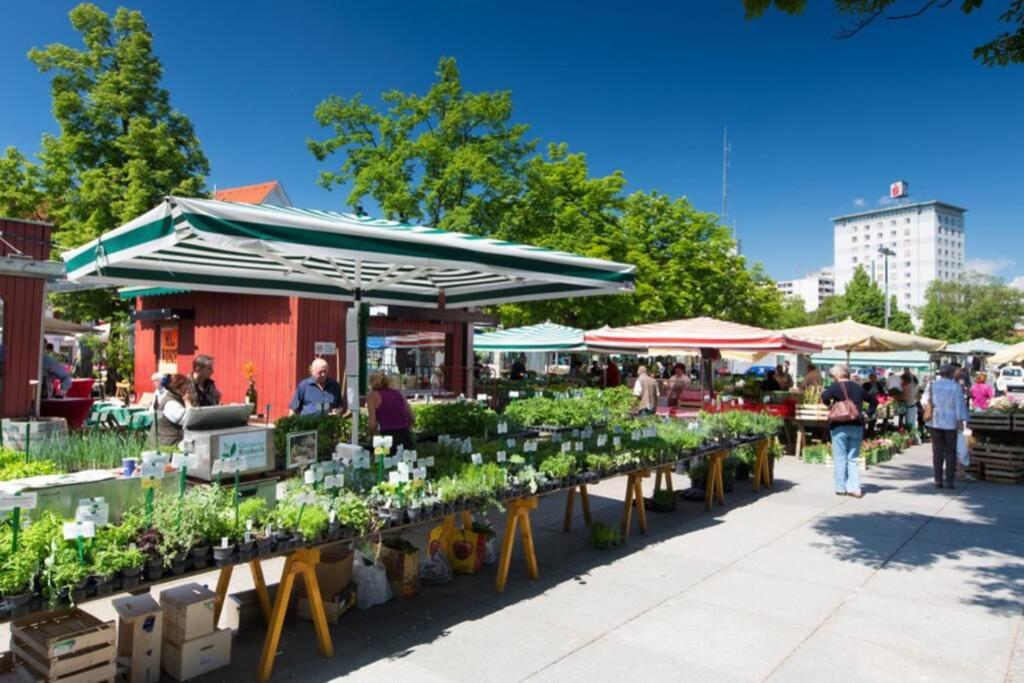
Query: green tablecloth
column 131, row 417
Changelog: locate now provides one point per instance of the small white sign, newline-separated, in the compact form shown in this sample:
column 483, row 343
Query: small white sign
column 324, row 348
column 25, row 501
column 566, row 447
column 513, row 394
column 227, row 465
column 530, row 447
column 95, row 510
column 187, row 460
column 404, row 467
column 500, row 456
column 510, row 443
column 305, row 498
column 477, row 459
column 151, row 471
column 309, row 477
column 617, row 443
column 73, row 530
column 482, row 398
column 427, row 462
column 382, row 442
column 361, row 462
column 502, row 428
column 579, row 446
column 556, row 438
column 419, row 473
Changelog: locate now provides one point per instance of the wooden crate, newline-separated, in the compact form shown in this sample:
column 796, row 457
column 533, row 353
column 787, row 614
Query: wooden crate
column 998, row 462
column 68, row 645
column 992, row 422
column 811, row 412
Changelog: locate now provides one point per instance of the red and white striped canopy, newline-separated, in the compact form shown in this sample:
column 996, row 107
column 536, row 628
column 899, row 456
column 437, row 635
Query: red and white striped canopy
column 698, row 333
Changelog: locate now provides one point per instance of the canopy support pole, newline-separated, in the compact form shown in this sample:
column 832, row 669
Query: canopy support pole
column 352, row 361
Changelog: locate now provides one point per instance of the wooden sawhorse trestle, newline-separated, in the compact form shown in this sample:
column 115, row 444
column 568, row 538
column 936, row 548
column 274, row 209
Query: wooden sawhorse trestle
column 663, row 473
column 584, row 503
column 762, row 467
column 634, row 496
column 518, row 514
column 715, row 485
column 302, row 563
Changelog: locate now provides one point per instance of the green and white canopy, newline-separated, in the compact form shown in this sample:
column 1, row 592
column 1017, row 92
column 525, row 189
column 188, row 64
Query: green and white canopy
column 546, row 336
column 223, row 246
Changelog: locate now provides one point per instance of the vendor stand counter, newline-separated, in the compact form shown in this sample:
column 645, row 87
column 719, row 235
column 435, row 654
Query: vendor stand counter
column 216, row 431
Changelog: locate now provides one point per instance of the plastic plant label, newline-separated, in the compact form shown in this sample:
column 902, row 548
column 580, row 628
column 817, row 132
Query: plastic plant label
column 189, row 460
column 467, row 446
column 305, row 498
column 73, row 530
column 332, row 516
column 409, row 457
column 427, row 462
column 399, row 449
column 477, row 459
column 25, row 501
column 500, row 456
column 617, row 442
column 482, row 397
column 530, row 447
column 566, row 447
column 393, row 477
column 404, row 467
column 510, row 443
column 98, row 513
column 223, row 541
column 502, row 428
column 513, row 394
column 150, row 457
column 419, row 473
column 413, row 455
column 309, row 477
column 248, row 525
column 151, row 471
column 602, row 440
column 556, row 438
column 382, row 442
column 579, row 446
column 361, row 462
column 575, row 433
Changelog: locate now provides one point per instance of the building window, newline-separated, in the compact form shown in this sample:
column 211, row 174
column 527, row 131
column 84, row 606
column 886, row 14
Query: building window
column 854, row 239
column 867, row 237
column 907, row 296
column 906, row 220
column 854, row 259
column 907, row 264
column 879, row 235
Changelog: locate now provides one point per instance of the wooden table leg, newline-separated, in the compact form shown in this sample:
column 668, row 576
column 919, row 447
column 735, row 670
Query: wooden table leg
column 715, row 487
column 467, row 520
column 567, row 521
column 298, row 563
column 800, row 436
column 657, row 481
column 666, row 472
column 518, row 514
column 261, row 589
column 761, row 471
column 223, row 581
column 641, row 510
column 585, row 503
column 627, row 508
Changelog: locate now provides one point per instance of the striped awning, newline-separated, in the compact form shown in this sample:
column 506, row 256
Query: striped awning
column 546, row 336
column 209, row 245
column 677, row 336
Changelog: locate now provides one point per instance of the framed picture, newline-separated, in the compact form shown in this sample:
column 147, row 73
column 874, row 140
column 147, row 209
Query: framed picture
column 300, row 450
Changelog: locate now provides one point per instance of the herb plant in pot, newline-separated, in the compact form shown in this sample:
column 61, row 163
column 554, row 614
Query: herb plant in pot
column 16, row 578
column 664, row 500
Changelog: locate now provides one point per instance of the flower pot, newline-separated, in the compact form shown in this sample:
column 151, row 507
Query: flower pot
column 132, row 580
column 199, row 557
column 264, row 546
column 245, row 551
column 223, row 556
column 19, row 599
column 79, row 595
column 414, row 514
column 154, row 569
column 104, row 585
column 179, row 563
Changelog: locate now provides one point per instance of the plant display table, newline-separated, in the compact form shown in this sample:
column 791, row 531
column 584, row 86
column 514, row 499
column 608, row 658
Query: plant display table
column 518, row 514
column 715, row 487
column 802, row 425
column 584, row 503
column 762, row 468
column 634, row 497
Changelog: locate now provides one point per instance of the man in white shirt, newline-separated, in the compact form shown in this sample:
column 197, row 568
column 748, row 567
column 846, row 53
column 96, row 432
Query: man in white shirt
column 949, row 415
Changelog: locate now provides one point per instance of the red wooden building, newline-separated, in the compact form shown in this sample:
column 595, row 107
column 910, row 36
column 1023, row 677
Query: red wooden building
column 277, row 335
column 24, row 270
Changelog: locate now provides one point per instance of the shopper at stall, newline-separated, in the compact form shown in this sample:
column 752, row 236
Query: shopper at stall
column 845, row 400
column 646, row 392
column 963, row 379
column 318, row 394
column 677, row 383
column 948, row 409
column 812, row 378
column 612, row 376
column 981, row 392
column 176, row 400
column 770, row 383
column 54, row 371
column 784, row 378
column 390, row 412
column 518, row 370
column 911, row 390
column 204, row 391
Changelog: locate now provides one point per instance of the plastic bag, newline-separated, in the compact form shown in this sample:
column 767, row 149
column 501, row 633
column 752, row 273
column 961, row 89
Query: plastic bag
column 372, row 587
column 464, row 549
column 490, row 557
column 962, row 454
column 436, row 569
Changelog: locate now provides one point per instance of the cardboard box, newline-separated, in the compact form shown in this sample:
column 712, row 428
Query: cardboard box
column 333, row 608
column 197, row 657
column 188, row 613
column 333, row 573
column 242, row 610
column 139, row 634
column 403, row 571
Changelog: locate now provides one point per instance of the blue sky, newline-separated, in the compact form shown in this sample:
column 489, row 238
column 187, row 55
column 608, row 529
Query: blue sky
column 819, row 126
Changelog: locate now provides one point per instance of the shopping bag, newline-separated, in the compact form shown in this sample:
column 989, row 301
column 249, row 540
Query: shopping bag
column 435, row 569
column 962, row 454
column 464, row 549
column 372, row 587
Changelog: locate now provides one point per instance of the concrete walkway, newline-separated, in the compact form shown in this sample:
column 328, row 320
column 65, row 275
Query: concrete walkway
column 798, row 584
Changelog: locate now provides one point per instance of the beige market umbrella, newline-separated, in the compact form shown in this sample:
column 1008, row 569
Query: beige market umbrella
column 1011, row 354
column 850, row 335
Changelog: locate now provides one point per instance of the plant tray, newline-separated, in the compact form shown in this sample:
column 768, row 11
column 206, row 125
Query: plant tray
column 998, row 422
column 67, row 645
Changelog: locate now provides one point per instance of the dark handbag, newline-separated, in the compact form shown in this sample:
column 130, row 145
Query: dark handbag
column 845, row 410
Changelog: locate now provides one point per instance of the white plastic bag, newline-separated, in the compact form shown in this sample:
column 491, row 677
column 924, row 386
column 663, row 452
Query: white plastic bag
column 490, row 557
column 962, row 455
column 372, row 587
column 436, row 569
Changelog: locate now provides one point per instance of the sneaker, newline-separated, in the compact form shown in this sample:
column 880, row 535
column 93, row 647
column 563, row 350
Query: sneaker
column 840, row 493
column 858, row 494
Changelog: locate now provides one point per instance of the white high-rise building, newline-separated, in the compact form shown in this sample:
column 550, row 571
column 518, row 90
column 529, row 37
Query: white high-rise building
column 926, row 237
column 813, row 288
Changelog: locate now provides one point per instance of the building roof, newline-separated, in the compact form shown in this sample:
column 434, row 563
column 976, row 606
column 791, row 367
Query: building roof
column 249, row 194
column 897, row 207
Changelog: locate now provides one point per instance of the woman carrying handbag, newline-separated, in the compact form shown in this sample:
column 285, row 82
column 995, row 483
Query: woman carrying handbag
column 845, row 401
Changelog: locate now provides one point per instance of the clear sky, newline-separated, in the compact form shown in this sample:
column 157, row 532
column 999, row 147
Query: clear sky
column 819, row 126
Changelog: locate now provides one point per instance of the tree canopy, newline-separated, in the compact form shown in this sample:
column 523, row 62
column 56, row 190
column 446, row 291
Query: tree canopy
column 863, row 301
column 976, row 306
column 121, row 145
column 1005, row 48
column 456, row 160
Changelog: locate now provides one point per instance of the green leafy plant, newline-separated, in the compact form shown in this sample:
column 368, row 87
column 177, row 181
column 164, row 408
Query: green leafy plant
column 459, row 418
column 17, row 573
column 664, row 500
column 89, row 449
column 558, row 466
column 604, row 537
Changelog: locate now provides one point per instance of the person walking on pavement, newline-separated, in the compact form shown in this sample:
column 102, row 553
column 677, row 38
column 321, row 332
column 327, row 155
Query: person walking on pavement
column 946, row 415
column 845, row 400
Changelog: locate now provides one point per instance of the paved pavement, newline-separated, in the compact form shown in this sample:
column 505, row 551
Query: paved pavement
column 798, row 584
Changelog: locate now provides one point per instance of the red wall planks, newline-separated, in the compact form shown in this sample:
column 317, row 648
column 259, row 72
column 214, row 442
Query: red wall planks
column 22, row 317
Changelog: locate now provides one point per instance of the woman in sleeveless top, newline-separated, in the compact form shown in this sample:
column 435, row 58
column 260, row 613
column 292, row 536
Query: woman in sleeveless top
column 172, row 405
column 390, row 413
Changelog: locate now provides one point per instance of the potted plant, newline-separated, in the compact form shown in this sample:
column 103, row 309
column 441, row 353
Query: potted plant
column 698, row 472
column 604, row 537
column 16, row 578
column 664, row 500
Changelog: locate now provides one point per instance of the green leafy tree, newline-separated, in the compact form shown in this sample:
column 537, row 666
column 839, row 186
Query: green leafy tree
column 794, row 313
column 1005, row 48
column 455, row 160
column 864, row 302
column 121, row 145
column 977, row 306
column 21, row 194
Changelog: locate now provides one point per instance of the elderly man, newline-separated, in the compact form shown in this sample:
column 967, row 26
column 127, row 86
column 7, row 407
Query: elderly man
column 948, row 416
column 318, row 394
column 54, row 370
column 646, row 392
column 204, row 391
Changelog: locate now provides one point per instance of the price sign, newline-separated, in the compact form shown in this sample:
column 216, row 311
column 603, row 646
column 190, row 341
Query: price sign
column 398, row 477
column 305, row 498
column 502, row 428
column 309, row 477
column 617, row 442
column 189, row 460
column 579, row 446
column 73, row 530
column 382, row 442
column 24, row 501
column 151, row 471
column 419, row 473
column 427, row 462
column 95, row 510
column 404, row 467
column 482, row 398
column 510, row 443
column 477, row 459
column 566, row 447
column 530, row 447
column 500, row 456
column 602, row 440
